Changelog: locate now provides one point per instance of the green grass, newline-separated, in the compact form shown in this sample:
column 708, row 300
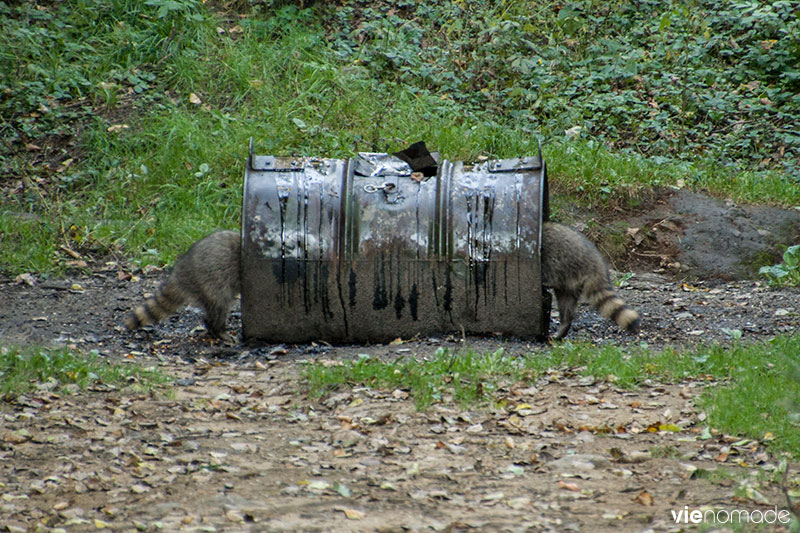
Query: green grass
column 763, row 395
column 591, row 174
column 661, row 95
column 22, row 369
column 26, row 243
column 754, row 392
column 468, row 377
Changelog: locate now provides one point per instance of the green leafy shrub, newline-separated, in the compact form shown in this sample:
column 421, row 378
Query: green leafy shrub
column 663, row 78
column 786, row 273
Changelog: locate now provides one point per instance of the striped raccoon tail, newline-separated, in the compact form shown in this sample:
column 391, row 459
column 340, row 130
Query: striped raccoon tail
column 613, row 308
column 167, row 300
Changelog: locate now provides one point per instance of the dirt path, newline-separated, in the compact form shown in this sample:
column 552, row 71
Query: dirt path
column 240, row 447
column 237, row 449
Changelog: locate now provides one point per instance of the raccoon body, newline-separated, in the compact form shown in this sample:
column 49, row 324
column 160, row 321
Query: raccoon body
column 207, row 275
column 573, row 267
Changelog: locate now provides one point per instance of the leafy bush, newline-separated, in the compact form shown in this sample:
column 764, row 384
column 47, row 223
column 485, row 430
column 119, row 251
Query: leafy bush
column 786, row 273
column 664, row 78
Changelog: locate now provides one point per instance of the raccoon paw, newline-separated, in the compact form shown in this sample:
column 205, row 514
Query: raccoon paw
column 633, row 327
column 225, row 338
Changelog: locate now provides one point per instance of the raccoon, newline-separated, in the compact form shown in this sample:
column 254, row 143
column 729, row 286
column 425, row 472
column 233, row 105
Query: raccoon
column 573, row 267
column 207, row 275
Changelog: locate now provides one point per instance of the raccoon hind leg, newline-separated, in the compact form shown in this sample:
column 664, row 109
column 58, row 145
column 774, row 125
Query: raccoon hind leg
column 567, row 304
column 216, row 316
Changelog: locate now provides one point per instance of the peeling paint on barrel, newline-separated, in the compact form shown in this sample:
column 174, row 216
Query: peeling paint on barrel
column 332, row 255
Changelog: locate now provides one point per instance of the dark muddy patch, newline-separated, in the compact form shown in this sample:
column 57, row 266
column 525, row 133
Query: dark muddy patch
column 689, row 235
column 728, row 241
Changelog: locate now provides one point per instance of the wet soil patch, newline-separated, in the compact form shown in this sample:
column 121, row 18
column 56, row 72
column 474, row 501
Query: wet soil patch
column 697, row 236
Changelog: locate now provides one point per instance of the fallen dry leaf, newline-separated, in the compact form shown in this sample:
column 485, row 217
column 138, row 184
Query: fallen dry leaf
column 354, row 514
column 400, row 394
column 26, row 278
column 452, row 448
column 644, row 498
column 568, row 486
column 17, row 437
column 235, row 515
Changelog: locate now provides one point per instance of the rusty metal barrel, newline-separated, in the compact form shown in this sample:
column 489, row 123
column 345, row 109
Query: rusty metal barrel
column 365, row 250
